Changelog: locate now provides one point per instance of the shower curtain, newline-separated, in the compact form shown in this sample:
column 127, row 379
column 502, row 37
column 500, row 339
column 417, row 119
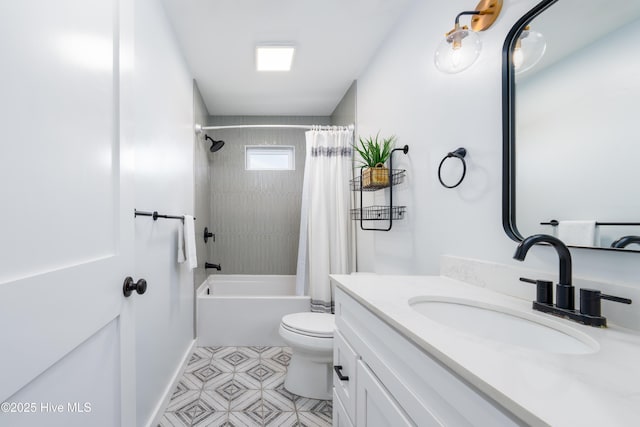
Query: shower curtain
column 325, row 245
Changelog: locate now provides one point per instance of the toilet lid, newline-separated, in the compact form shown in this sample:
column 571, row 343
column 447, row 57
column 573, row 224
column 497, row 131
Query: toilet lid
column 313, row 324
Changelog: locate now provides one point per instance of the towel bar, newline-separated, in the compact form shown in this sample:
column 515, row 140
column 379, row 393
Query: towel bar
column 156, row 215
column 554, row 223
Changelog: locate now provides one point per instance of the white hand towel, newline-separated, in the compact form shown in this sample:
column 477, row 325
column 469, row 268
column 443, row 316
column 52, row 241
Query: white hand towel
column 181, row 257
column 190, row 241
column 577, row 233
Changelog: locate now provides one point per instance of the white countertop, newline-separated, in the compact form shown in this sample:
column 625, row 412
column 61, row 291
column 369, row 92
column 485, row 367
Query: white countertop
column 540, row 387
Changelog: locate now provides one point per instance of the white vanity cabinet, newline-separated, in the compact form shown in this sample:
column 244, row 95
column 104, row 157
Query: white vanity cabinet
column 393, row 382
column 374, row 406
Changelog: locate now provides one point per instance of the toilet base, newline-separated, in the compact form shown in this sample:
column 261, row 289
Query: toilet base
column 309, row 376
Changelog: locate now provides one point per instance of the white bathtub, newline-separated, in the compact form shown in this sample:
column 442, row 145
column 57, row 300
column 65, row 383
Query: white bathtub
column 244, row 310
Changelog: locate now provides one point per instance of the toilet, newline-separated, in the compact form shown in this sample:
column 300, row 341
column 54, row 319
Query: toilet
column 310, row 336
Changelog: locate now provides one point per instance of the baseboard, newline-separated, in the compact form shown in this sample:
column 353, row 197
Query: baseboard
column 159, row 411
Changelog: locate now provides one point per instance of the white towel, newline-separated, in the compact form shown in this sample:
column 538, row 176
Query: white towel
column 577, row 233
column 181, row 257
column 190, row 242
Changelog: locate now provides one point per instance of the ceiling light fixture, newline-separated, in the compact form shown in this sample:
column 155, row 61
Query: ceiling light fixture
column 274, row 58
column 461, row 46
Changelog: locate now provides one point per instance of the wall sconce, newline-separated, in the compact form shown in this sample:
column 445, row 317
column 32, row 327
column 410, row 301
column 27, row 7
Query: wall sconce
column 461, row 46
column 529, row 50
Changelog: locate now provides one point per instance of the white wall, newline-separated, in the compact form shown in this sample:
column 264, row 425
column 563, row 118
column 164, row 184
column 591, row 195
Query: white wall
column 164, row 182
column 402, row 93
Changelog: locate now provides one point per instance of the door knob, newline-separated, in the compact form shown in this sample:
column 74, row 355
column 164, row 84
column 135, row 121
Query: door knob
column 129, row 286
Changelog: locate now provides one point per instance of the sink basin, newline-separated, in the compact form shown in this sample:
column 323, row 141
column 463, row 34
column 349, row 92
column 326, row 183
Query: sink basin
column 505, row 325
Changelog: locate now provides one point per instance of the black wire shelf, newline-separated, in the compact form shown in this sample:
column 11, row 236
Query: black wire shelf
column 378, row 213
column 397, row 176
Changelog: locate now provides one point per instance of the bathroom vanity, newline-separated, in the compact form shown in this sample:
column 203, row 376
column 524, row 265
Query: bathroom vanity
column 432, row 351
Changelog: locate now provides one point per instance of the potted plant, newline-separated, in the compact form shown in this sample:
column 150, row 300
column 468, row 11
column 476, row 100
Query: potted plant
column 374, row 153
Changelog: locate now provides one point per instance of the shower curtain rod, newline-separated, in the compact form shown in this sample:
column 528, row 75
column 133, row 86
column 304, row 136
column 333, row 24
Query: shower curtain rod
column 200, row 128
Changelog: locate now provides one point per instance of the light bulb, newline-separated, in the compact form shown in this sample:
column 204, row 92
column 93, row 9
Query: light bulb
column 529, row 50
column 458, row 51
column 518, row 58
column 456, row 58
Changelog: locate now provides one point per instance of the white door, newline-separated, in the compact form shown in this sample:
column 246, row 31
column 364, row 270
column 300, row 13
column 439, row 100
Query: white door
column 66, row 213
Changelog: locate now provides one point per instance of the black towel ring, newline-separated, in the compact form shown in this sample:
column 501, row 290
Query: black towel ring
column 459, row 154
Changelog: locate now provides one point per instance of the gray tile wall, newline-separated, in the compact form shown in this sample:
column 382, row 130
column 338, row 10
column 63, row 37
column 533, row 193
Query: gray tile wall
column 256, row 214
column 345, row 112
column 202, row 189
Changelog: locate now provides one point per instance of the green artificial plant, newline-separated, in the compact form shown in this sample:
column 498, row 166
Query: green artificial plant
column 373, row 151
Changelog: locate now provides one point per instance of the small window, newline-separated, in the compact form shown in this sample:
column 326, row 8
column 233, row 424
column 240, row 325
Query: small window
column 269, row 157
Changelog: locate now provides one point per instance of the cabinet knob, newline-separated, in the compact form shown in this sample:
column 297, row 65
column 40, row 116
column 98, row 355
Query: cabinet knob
column 129, row 286
column 341, row 377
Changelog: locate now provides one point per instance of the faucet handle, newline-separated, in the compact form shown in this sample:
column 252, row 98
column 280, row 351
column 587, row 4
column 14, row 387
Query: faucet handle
column 590, row 301
column 544, row 290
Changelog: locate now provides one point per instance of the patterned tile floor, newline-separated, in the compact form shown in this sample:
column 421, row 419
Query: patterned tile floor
column 241, row 386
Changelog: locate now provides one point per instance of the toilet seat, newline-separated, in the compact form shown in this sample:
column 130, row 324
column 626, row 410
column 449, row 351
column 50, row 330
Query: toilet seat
column 316, row 325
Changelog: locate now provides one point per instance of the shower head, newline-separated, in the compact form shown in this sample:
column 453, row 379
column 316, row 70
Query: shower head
column 215, row 145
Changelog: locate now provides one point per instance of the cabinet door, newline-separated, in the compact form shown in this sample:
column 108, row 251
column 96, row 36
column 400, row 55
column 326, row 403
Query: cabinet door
column 374, row 405
column 340, row 417
column 345, row 356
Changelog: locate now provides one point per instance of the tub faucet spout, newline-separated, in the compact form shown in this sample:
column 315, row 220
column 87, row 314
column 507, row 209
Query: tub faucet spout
column 209, row 265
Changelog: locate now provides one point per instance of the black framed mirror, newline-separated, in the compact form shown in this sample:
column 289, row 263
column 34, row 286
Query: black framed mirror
column 570, row 144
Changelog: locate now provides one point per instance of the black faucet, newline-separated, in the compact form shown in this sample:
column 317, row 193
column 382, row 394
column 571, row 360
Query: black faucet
column 565, row 292
column 589, row 313
column 624, row 241
column 209, row 265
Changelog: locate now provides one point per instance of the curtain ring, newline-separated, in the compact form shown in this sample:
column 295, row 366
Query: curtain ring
column 460, row 153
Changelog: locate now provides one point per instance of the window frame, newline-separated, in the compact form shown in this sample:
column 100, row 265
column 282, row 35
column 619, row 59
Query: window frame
column 288, row 149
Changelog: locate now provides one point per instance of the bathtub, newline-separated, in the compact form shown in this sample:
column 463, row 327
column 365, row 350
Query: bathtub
column 244, row 310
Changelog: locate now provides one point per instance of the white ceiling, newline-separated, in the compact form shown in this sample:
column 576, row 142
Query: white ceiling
column 334, row 39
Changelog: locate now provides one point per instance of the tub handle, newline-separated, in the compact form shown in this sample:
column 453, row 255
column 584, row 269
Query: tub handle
column 208, row 234
column 338, row 369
